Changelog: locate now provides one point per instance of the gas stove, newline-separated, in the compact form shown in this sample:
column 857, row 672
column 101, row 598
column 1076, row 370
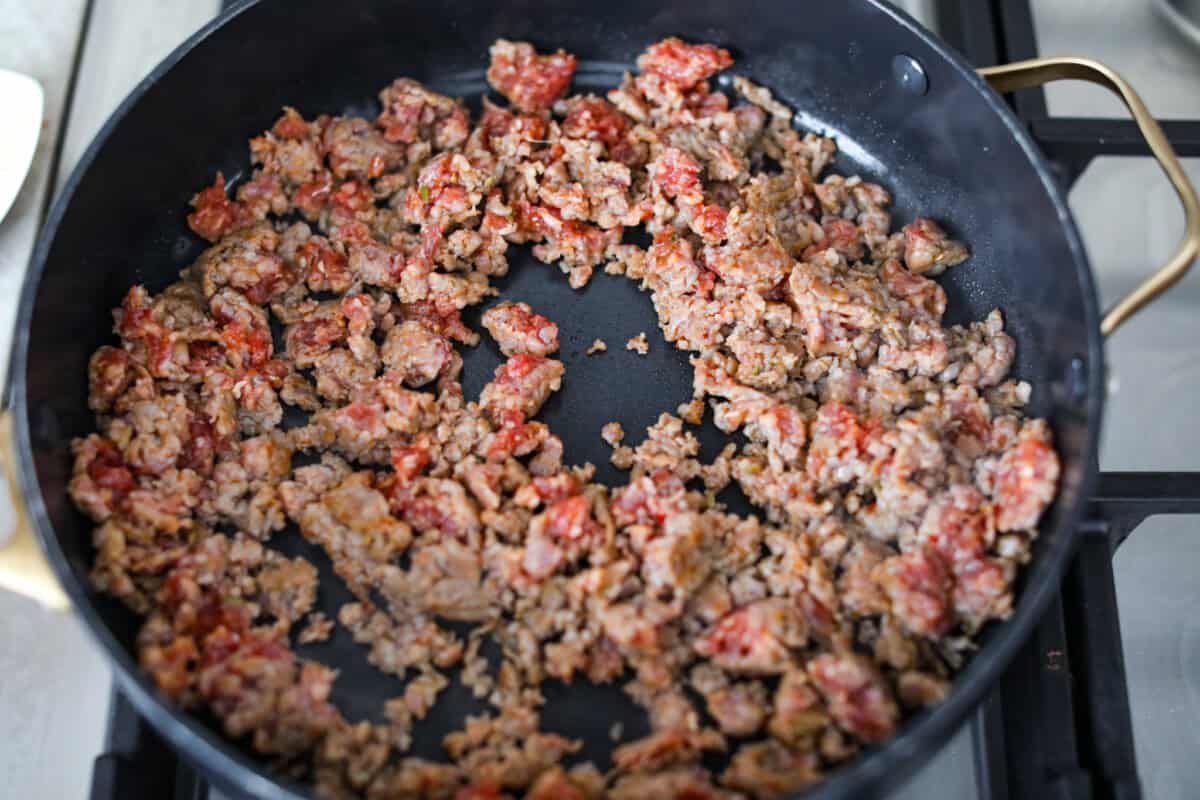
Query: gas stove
column 1059, row 724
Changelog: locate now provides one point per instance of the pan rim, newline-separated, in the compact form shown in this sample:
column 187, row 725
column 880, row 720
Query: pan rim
column 887, row 765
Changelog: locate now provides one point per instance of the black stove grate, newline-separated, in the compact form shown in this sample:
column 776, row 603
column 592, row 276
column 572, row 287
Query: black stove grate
column 1057, row 725
column 138, row 765
column 991, row 32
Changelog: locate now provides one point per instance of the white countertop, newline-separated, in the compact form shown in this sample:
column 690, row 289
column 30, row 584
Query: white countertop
column 54, row 683
column 54, row 686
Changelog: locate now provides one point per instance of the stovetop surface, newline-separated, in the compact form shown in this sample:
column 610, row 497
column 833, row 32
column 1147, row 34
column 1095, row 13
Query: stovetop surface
column 1130, row 220
column 52, row 703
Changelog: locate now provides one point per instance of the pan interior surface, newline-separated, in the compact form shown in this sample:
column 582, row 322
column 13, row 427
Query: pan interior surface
column 949, row 154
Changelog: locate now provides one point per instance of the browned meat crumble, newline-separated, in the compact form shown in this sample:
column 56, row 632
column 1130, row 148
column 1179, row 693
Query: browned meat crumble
column 613, row 433
column 638, row 344
column 318, row 629
column 900, row 480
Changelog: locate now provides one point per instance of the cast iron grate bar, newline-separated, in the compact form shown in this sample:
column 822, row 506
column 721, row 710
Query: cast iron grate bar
column 991, row 32
column 1094, row 636
column 1070, row 138
column 998, row 31
column 1020, row 43
column 973, row 27
column 987, row 741
column 1058, row 724
column 1036, row 707
column 137, row 764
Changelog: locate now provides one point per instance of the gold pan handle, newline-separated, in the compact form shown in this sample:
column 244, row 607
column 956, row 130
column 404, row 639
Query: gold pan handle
column 23, row 566
column 1036, row 72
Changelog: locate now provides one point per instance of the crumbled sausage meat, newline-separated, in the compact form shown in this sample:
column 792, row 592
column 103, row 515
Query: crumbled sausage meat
column 900, row 479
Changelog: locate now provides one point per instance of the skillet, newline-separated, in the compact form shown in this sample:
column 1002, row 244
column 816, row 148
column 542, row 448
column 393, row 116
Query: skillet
column 906, row 111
